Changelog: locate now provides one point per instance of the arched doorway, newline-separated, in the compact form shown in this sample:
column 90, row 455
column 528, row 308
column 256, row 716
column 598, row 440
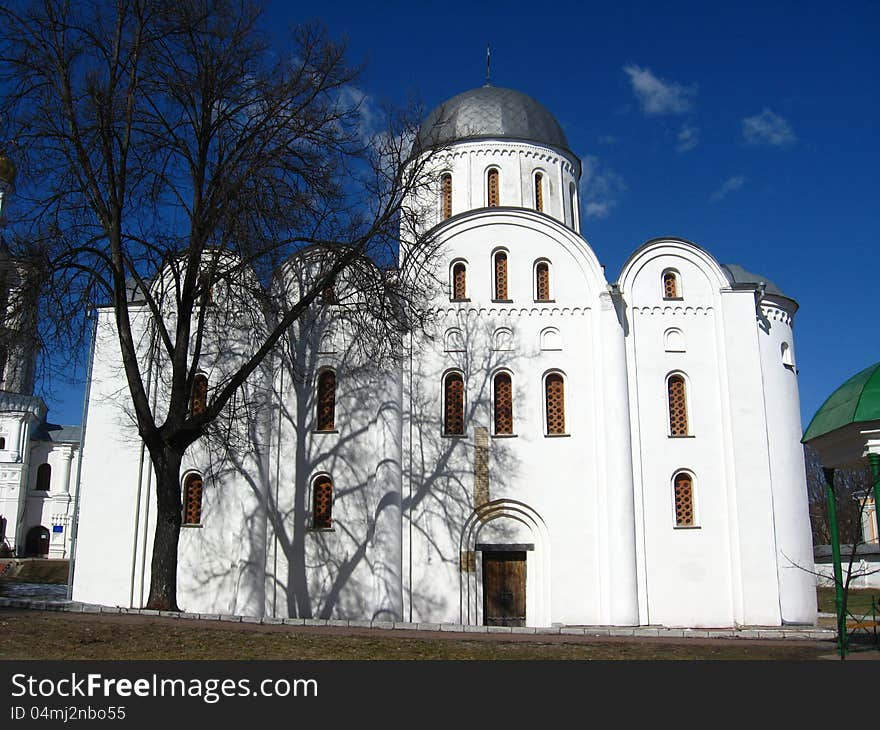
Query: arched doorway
column 36, row 544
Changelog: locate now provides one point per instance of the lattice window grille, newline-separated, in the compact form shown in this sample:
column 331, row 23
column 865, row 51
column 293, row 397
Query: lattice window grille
column 542, row 282
column 501, row 275
column 199, row 399
column 539, row 192
column 678, row 419
column 446, row 194
column 192, row 500
column 684, row 501
column 492, row 180
column 322, row 503
column 453, row 417
column 503, row 404
column 326, row 401
column 459, row 282
column 670, row 285
column 555, row 397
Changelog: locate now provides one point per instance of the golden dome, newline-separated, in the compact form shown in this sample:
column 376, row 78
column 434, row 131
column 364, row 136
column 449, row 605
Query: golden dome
column 7, row 169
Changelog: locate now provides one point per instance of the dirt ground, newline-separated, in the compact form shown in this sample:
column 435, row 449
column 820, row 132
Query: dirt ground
column 26, row 634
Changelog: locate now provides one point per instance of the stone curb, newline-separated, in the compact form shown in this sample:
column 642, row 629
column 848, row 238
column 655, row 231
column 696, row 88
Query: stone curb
column 799, row 633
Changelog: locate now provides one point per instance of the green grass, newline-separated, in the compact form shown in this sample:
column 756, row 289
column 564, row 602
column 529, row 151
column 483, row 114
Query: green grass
column 858, row 601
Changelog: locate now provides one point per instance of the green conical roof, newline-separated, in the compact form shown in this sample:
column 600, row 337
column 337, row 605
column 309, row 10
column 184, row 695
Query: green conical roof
column 856, row 401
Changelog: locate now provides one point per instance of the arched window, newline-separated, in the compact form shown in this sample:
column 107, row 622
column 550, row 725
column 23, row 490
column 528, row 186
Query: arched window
column 671, row 289
column 684, row 500
column 326, row 401
column 192, row 499
column 453, row 404
column 328, row 296
column 554, row 395
column 199, row 398
column 503, row 391
column 572, row 197
column 44, row 477
column 459, row 281
column 322, row 503
column 673, row 340
column 446, row 195
column 502, row 339
column 787, row 359
column 453, row 341
column 500, row 276
column 678, row 416
column 2, row 442
column 542, row 281
column 539, row 192
column 492, row 184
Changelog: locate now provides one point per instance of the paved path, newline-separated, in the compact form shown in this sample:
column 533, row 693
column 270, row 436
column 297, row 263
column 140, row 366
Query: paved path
column 766, row 633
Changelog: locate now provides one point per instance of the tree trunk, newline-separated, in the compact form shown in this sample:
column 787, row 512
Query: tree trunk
column 163, row 575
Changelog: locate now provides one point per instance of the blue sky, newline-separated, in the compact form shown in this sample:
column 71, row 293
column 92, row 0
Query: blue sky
column 750, row 129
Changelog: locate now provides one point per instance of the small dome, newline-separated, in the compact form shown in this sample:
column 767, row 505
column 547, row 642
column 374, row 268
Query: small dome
column 736, row 274
column 490, row 112
column 7, row 170
column 856, row 401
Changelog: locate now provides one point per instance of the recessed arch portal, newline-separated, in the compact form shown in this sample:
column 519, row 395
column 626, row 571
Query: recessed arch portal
column 506, row 520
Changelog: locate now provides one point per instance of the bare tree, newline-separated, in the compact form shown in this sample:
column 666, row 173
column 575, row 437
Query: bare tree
column 852, row 489
column 849, row 485
column 169, row 155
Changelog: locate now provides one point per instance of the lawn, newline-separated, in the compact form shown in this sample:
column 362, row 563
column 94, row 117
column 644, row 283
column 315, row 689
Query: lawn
column 858, row 602
column 35, row 635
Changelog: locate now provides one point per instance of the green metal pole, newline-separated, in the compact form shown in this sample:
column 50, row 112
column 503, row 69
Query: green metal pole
column 835, row 555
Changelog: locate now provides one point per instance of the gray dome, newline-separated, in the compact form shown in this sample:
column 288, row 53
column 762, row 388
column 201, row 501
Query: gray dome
column 491, row 112
column 736, row 274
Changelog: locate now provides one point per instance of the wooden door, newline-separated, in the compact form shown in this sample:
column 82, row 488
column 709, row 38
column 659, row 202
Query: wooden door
column 504, row 588
column 36, row 543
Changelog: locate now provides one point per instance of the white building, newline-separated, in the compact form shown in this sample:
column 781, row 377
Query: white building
column 38, row 460
column 555, row 449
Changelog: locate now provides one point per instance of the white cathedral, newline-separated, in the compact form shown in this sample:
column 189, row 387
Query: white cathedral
column 39, row 460
column 556, row 449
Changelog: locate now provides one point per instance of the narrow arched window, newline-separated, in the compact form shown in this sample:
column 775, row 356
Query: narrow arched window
column 2, row 442
column 459, row 282
column 326, row 401
column 554, row 391
column 322, row 503
column 503, row 391
column 542, row 281
column 328, row 296
column 500, row 276
column 192, row 499
column 684, row 500
column 199, row 399
column 44, row 477
column 678, row 417
column 787, row 359
column 539, row 192
column 446, row 195
column 453, row 404
column 492, row 183
column 670, row 285
column 572, row 197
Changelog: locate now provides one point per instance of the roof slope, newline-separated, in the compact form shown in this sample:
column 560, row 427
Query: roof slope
column 856, row 401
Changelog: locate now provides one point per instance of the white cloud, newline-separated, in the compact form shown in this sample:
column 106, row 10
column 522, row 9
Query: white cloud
column 369, row 117
column 601, row 188
column 688, row 137
column 608, row 139
column 659, row 96
column 732, row 184
column 767, row 128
